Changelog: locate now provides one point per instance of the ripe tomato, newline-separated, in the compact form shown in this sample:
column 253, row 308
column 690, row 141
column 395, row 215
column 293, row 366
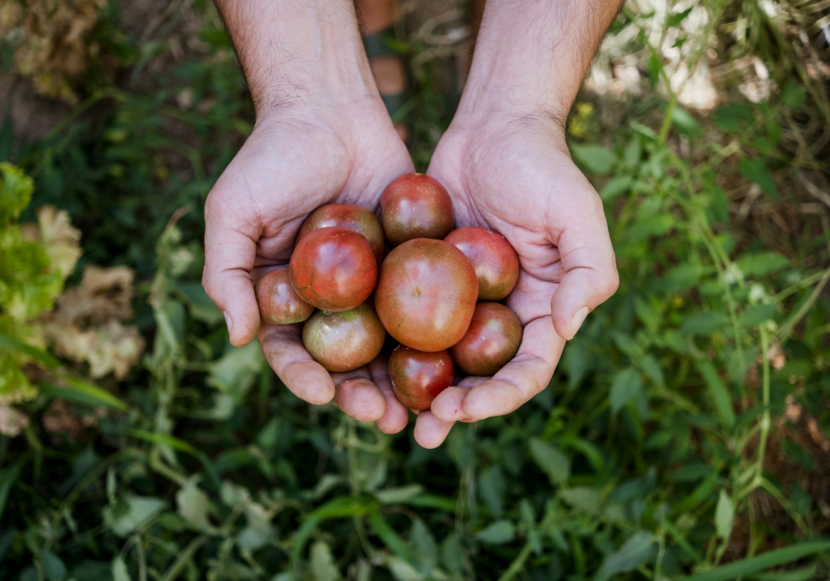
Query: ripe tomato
column 351, row 216
column 278, row 303
column 333, row 269
column 495, row 261
column 415, row 206
column 346, row 340
column 418, row 377
column 492, row 340
column 426, row 294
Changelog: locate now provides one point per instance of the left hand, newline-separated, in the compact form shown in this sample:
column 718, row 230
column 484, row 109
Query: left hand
column 515, row 176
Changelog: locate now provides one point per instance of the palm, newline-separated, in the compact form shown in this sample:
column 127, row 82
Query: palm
column 287, row 168
column 522, row 183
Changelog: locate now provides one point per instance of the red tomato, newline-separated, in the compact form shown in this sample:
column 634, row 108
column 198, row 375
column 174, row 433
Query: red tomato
column 346, row 340
column 492, row 340
column 278, row 303
column 333, row 269
column 418, row 377
column 415, row 206
column 351, row 216
column 426, row 294
column 495, row 261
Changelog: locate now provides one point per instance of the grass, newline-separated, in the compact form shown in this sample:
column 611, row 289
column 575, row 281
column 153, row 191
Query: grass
column 684, row 436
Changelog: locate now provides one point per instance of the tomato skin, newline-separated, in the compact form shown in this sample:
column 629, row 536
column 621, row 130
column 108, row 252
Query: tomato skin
column 333, row 269
column 351, row 216
column 495, row 261
column 345, row 340
column 278, row 303
column 492, row 340
column 426, row 294
column 418, row 377
column 415, row 206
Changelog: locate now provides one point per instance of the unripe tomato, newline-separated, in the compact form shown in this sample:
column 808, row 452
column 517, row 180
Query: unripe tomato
column 346, row 340
column 333, row 269
column 426, row 294
column 492, row 340
column 278, row 303
column 418, row 377
column 351, row 216
column 495, row 261
column 415, row 206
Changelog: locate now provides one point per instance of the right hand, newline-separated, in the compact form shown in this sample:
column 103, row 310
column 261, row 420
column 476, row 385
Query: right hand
column 294, row 162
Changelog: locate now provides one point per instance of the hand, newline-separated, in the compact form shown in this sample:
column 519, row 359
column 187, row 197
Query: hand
column 294, row 162
column 513, row 174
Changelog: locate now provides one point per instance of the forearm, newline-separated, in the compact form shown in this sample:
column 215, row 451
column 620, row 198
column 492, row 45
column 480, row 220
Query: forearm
column 298, row 52
column 531, row 55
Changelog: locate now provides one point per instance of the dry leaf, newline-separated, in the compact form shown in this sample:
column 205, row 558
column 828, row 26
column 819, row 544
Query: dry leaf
column 59, row 420
column 12, row 421
column 104, row 294
column 112, row 348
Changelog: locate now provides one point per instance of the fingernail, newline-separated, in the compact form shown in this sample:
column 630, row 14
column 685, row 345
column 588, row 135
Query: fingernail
column 228, row 322
column 578, row 319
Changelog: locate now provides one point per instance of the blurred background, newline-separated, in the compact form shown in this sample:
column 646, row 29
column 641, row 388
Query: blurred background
column 686, row 432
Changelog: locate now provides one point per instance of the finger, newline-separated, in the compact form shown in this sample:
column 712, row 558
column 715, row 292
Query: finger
column 430, row 432
column 523, row 377
column 590, row 269
column 230, row 252
column 359, row 398
column 304, row 377
column 396, row 415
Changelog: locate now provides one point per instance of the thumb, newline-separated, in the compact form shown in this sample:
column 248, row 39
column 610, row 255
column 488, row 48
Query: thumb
column 229, row 258
column 590, row 274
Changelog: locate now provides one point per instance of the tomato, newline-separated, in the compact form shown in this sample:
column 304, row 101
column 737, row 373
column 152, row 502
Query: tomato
column 346, row 340
column 333, row 269
column 418, row 377
column 426, row 294
column 415, row 206
column 492, row 340
column 495, row 261
column 278, row 303
column 351, row 216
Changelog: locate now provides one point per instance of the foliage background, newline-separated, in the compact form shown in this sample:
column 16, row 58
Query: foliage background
column 684, row 436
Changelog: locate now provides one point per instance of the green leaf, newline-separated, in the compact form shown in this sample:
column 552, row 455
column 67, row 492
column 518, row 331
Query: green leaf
column 582, row 499
column 793, row 575
column 402, row 570
column 497, row 533
column 755, row 170
column 761, row 562
column 7, row 479
column 53, row 567
column 551, row 461
column 323, row 567
column 717, row 391
column 754, row 315
column 132, row 512
column 425, row 551
column 704, row 323
column 615, row 187
column 594, row 158
column 652, row 369
column 627, row 386
column 655, row 65
column 678, row 17
column 681, row 277
column 200, row 306
column 389, row 537
column 634, row 552
column 15, row 192
column 652, row 226
column 733, row 118
column 793, row 96
column 491, row 485
column 83, row 393
column 685, row 123
column 399, row 495
column 193, row 504
column 577, row 360
column 762, row 263
column 724, row 513
column 119, row 570
column 13, row 344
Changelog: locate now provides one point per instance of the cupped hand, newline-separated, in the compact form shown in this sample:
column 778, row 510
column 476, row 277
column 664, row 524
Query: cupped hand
column 294, row 162
column 514, row 175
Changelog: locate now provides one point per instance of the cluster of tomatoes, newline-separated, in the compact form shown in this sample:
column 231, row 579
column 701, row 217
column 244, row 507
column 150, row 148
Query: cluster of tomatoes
column 435, row 292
